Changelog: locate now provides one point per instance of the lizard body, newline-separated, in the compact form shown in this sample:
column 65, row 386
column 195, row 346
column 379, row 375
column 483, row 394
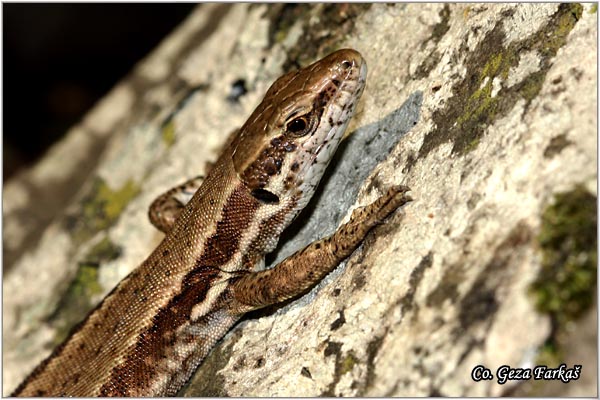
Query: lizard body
column 151, row 332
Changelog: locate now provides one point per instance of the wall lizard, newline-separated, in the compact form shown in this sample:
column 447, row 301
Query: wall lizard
column 156, row 326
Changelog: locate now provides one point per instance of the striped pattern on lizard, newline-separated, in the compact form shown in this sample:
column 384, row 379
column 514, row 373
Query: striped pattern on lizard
column 152, row 331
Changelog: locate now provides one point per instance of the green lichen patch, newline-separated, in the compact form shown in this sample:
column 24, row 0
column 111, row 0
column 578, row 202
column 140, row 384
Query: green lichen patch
column 102, row 207
column 168, row 133
column 75, row 303
column 342, row 363
column 103, row 251
column 168, row 128
column 475, row 104
column 566, row 284
column 324, row 28
column 107, row 204
column 549, row 354
column 551, row 37
column 593, row 9
column 348, row 363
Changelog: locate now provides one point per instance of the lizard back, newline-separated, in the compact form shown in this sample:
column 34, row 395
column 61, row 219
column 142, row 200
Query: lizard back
column 150, row 333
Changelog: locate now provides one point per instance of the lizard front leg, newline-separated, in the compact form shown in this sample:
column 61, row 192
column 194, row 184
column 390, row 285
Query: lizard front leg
column 294, row 275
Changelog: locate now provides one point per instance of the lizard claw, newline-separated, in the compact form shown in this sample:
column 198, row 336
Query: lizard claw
column 395, row 197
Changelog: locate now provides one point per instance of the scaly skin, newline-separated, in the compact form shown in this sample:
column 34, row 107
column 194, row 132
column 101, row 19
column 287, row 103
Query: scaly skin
column 152, row 331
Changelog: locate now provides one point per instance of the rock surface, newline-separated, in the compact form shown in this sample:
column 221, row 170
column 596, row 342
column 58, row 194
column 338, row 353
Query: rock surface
column 487, row 111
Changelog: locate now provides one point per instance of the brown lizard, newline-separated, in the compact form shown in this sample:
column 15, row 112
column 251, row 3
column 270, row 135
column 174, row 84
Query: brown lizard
column 152, row 331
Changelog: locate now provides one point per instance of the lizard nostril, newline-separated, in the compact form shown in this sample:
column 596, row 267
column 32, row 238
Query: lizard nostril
column 346, row 64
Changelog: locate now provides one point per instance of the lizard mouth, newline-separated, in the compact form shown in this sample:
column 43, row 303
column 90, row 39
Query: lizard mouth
column 342, row 105
column 335, row 118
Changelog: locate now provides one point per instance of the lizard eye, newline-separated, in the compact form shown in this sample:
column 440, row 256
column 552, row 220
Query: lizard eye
column 298, row 126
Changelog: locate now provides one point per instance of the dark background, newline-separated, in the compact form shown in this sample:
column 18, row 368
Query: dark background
column 59, row 59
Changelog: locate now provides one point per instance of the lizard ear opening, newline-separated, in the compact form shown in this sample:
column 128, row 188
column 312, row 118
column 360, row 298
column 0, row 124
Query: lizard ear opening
column 264, row 196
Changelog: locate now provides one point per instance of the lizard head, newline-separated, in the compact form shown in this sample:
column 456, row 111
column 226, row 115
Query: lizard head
column 283, row 149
